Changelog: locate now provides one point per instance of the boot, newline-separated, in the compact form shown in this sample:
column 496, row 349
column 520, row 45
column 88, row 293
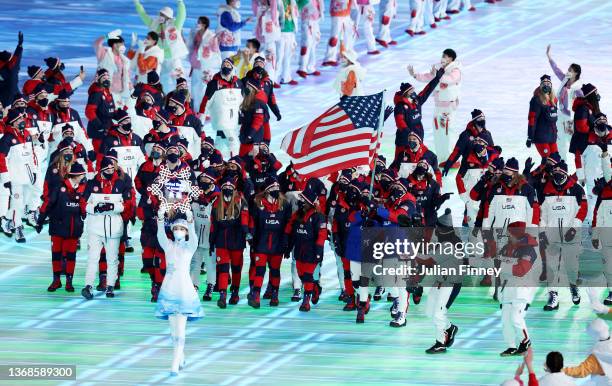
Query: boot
column 129, row 247
column 55, row 284
column 32, row 218
column 144, row 270
column 297, row 295
column 360, row 314
column 367, row 306
column 437, row 348
column 222, row 297
column 87, row 292
column 274, row 298
column 608, row 301
column 19, row 236
column 234, row 298
column 109, row 292
column 69, row 287
column 117, row 284
column 343, row 296
column 399, row 320
column 450, row 335
column 378, row 293
column 6, row 226
column 316, row 292
column 510, row 351
column 154, row 292
column 253, row 298
column 268, row 293
column 417, row 294
column 350, row 305
column 575, row 294
column 523, row 347
column 553, row 301
column 208, row 293
column 305, row 306
column 102, row 284
column 394, row 308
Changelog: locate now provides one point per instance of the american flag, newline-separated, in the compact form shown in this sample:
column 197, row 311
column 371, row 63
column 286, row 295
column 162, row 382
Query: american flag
column 344, row 136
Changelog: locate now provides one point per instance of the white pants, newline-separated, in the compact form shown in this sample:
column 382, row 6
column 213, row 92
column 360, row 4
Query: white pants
column 363, row 291
column 295, row 278
column 168, row 76
column 197, row 88
column 95, row 244
column 563, row 137
column 366, row 16
column 428, row 13
column 178, row 327
column 202, row 254
column 443, row 121
column 286, row 49
column 342, row 30
column 454, row 5
column 387, row 10
column 20, row 195
column 562, row 261
column 439, row 9
column 227, row 143
column 513, row 323
column 436, row 310
column 5, row 195
column 310, row 38
column 417, row 10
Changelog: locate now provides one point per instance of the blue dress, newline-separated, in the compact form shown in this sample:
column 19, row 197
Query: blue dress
column 177, row 294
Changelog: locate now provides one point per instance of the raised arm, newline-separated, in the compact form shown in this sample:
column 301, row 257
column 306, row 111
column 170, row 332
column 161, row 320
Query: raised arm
column 558, row 72
column 142, row 13
column 181, row 14
column 162, row 238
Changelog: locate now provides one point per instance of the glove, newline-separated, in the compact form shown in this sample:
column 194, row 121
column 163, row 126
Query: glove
column 570, row 234
column 600, row 183
column 20, row 38
column 603, row 146
column 134, row 39
column 189, row 216
column 475, row 232
column 528, row 166
column 91, row 155
column 278, row 116
column 528, row 143
column 388, row 112
column 447, row 167
column 133, row 220
column 38, row 227
column 440, row 72
column 249, row 237
column 8, row 185
column 287, row 255
column 543, row 239
column 600, row 308
column 595, row 243
column 211, row 250
column 99, row 208
column 34, row 179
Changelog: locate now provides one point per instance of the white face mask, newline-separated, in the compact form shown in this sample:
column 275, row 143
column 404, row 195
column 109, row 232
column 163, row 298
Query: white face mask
column 122, row 50
column 179, row 234
column 237, row 5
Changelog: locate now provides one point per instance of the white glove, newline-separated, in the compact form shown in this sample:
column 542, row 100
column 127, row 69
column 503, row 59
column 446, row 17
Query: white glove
column 114, row 34
column 161, row 212
column 134, row 39
column 189, row 215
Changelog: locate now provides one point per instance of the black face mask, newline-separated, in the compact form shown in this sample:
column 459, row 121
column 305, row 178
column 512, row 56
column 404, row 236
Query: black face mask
column 62, row 66
column 385, row 184
column 225, row 71
column 43, row 102
column 106, row 83
column 395, row 195
column 108, row 175
column 155, row 155
column 65, row 108
column 352, row 197
column 478, row 148
column 274, row 194
column 546, row 89
column 231, row 172
column 183, row 92
column 172, row 109
column 21, row 110
column 548, row 168
column 480, row 123
column 342, row 187
column 21, row 126
column 488, row 174
column 413, row 145
column 259, row 70
column 126, row 127
column 419, row 171
column 413, row 95
column 505, row 178
column 228, row 193
column 67, row 157
column 173, row 157
column 205, row 186
column 146, row 105
column 559, row 179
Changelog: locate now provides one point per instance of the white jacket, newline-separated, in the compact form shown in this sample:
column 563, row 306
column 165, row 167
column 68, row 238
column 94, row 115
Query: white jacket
column 107, row 62
column 201, row 215
column 223, row 109
column 129, row 158
column 208, row 54
column 106, row 224
column 556, row 379
column 557, row 215
column 21, row 163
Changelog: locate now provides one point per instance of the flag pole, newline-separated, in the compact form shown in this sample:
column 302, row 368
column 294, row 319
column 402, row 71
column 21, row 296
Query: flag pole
column 379, row 129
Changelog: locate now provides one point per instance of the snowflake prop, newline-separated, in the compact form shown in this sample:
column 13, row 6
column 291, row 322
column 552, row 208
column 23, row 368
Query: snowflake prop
column 174, row 190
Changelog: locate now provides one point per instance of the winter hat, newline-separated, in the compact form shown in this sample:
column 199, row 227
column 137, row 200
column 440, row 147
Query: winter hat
column 381, row 161
column 100, row 73
column 562, row 167
column 498, row 163
column 481, row 140
column 545, row 78
column 229, row 182
column 153, row 78
column 598, row 329
column 517, row 228
column 162, row 116
column 600, row 118
column 180, row 222
column 555, row 158
column 259, row 58
column 12, row 116
column 587, row 89
column 64, row 144
column 309, row 196
column 390, row 173
column 120, row 116
column 250, row 83
column 53, row 63
column 63, row 96
column 38, row 90
column 33, row 71
column 178, row 98
column 359, row 185
column 270, row 182
column 512, row 164
column 415, row 134
column 167, row 12
column 477, row 114
column 112, row 154
column 106, row 164
column 5, row 56
column 446, row 220
column 345, row 176
column 183, row 144
column 67, row 127
column 236, row 160
column 406, row 87
column 227, row 61
column 210, row 173
column 76, row 169
column 18, row 98
column 207, row 141
column 114, row 37
column 216, row 160
column 160, row 146
column 180, row 81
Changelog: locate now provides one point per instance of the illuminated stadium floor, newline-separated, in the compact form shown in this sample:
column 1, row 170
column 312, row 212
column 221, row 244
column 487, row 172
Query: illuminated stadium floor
column 120, row 342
